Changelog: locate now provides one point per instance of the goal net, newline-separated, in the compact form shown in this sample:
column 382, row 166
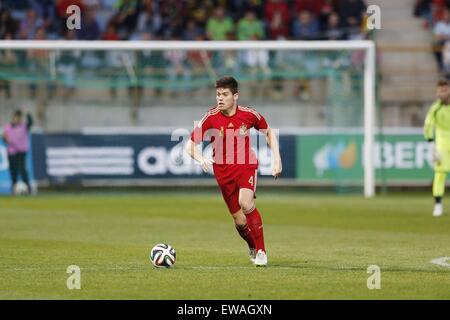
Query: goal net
column 321, row 93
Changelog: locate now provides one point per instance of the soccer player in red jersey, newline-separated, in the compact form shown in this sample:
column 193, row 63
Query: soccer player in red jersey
column 234, row 161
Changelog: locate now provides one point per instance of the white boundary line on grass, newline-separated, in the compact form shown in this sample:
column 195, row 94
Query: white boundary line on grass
column 442, row 262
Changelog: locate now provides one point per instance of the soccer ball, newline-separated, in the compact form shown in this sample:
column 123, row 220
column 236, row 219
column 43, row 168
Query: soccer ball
column 162, row 256
column 20, row 188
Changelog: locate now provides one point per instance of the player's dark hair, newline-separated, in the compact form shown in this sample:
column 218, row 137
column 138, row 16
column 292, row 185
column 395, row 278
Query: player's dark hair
column 228, row 83
column 442, row 83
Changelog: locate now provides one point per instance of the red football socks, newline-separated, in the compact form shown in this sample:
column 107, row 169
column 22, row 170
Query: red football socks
column 246, row 234
column 254, row 222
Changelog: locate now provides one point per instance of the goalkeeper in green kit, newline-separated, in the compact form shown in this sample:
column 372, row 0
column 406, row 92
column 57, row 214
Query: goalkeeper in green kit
column 437, row 132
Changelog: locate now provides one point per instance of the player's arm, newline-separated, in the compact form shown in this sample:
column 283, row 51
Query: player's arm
column 272, row 141
column 197, row 137
column 428, row 131
column 261, row 125
column 430, row 122
column 194, row 152
column 29, row 121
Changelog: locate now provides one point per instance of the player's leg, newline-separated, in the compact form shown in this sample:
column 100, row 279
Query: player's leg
column 438, row 192
column 440, row 173
column 247, row 185
column 240, row 222
column 22, row 168
column 230, row 193
column 13, row 171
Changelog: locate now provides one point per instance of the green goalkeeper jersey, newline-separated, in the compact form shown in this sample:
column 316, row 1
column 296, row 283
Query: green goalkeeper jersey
column 437, row 125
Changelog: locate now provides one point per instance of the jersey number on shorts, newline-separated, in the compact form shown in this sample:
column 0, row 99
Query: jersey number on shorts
column 251, row 181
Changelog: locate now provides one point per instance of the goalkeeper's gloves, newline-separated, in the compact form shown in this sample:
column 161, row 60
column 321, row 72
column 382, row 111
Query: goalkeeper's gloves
column 435, row 155
column 206, row 164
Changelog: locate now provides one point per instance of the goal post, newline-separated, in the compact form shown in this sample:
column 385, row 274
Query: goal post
column 369, row 72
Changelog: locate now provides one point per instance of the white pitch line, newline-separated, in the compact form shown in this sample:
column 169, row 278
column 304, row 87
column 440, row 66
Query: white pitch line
column 442, row 262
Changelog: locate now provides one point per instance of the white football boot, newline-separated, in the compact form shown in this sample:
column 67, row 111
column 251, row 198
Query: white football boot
column 438, row 210
column 252, row 254
column 261, row 259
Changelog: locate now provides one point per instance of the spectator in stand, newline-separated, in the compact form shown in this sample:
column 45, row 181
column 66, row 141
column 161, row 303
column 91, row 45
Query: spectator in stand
column 305, row 27
column 320, row 9
column 192, row 31
column 273, row 6
column 175, row 28
column 328, row 7
column 90, row 29
column 350, row 10
column 237, row 8
column 29, row 25
column 126, row 18
column 15, row 5
column 8, row 25
column 46, row 9
column 313, row 6
column 441, row 35
column 276, row 29
column 106, row 11
column 110, row 33
column 149, row 20
column 219, row 25
column 249, row 27
column 354, row 30
column 172, row 14
column 334, row 29
column 91, row 4
column 199, row 12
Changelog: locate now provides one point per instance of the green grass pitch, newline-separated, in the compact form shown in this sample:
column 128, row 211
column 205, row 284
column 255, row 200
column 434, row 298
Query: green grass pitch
column 319, row 247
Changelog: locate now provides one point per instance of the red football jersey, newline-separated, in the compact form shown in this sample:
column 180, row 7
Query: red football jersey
column 230, row 137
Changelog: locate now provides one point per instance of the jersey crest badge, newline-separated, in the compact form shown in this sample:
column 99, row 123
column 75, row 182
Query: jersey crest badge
column 243, row 130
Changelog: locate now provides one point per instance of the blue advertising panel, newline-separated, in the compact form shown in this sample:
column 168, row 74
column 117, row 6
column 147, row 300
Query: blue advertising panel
column 65, row 158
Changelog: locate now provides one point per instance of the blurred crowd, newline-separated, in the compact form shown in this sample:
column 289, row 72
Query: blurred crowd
column 186, row 19
column 171, row 71
column 436, row 17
